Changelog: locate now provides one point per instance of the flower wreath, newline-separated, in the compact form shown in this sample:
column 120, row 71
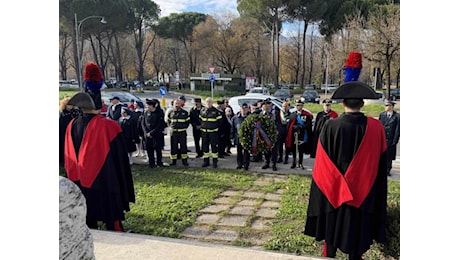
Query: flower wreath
column 257, row 133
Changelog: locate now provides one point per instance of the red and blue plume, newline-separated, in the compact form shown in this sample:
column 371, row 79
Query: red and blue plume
column 353, row 66
column 93, row 77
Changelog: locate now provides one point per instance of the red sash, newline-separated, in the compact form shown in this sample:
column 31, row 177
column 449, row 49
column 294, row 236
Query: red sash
column 92, row 153
column 353, row 187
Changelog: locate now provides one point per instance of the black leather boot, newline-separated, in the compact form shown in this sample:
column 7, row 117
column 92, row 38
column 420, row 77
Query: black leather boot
column 184, row 162
column 174, row 162
column 205, row 162
column 214, row 162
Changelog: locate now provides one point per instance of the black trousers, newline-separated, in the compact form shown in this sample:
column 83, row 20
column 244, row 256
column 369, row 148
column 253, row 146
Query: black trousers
column 178, row 138
column 282, row 134
column 151, row 154
column 196, row 138
column 272, row 155
column 210, row 139
column 242, row 156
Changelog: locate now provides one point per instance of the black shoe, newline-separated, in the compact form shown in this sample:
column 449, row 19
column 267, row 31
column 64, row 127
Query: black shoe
column 239, row 167
column 280, row 160
column 221, row 156
column 301, row 166
column 152, row 166
column 389, row 174
column 285, row 161
column 254, row 160
column 293, row 166
column 274, row 168
column 159, row 165
column 205, row 164
column 173, row 163
column 227, row 154
column 189, row 151
column 246, row 167
column 265, row 166
column 185, row 163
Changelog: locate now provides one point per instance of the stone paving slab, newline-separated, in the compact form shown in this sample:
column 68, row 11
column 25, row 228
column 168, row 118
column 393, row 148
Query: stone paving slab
column 270, row 204
column 234, row 221
column 224, row 200
column 196, row 232
column 230, row 193
column 208, row 219
column 266, row 213
column 242, row 211
column 253, row 194
column 223, row 235
column 261, row 224
column 272, row 196
column 215, row 208
column 262, row 182
column 247, row 202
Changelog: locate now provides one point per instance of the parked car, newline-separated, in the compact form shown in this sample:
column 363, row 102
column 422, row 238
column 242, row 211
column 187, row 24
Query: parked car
column 379, row 101
column 310, row 96
column 124, row 96
column 329, row 87
column 310, row 86
column 395, row 94
column 260, row 90
column 283, row 94
column 236, row 101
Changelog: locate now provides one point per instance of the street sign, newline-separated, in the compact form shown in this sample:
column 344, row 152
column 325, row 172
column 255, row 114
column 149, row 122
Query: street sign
column 211, row 69
column 163, row 91
column 212, row 78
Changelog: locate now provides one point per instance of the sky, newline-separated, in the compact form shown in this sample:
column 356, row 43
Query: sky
column 213, row 7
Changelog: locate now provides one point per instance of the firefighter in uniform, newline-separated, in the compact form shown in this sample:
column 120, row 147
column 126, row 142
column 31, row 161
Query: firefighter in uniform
column 211, row 119
column 196, row 125
column 178, row 121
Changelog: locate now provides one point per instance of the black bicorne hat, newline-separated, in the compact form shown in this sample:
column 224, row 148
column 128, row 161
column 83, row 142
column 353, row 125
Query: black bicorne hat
column 354, row 90
column 82, row 100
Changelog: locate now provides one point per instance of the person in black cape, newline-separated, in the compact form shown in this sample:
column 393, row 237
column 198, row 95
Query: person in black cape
column 348, row 195
column 96, row 158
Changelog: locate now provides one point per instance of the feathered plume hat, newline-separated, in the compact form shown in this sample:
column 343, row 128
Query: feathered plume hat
column 353, row 66
column 93, row 81
column 352, row 88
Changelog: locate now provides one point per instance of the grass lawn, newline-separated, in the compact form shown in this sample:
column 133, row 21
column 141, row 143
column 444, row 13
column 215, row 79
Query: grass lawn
column 168, row 201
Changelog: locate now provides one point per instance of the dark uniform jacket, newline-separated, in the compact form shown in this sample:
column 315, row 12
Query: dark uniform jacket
column 195, row 117
column 211, row 119
column 391, row 126
column 320, row 120
column 129, row 126
column 153, row 122
column 114, row 112
column 304, row 129
column 178, row 120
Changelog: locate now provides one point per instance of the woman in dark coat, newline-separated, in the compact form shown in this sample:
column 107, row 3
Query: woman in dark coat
column 129, row 126
column 153, row 124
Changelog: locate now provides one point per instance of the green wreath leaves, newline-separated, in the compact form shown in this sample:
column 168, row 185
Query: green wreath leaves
column 246, row 132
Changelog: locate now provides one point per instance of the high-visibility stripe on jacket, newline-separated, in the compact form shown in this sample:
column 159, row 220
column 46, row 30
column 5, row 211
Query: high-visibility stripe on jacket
column 178, row 120
column 211, row 119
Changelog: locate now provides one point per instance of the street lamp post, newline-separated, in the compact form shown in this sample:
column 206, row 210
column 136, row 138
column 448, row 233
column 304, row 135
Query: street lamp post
column 77, row 36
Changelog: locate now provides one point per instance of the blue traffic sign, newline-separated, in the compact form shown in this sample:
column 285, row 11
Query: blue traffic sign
column 212, row 78
column 163, row 91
